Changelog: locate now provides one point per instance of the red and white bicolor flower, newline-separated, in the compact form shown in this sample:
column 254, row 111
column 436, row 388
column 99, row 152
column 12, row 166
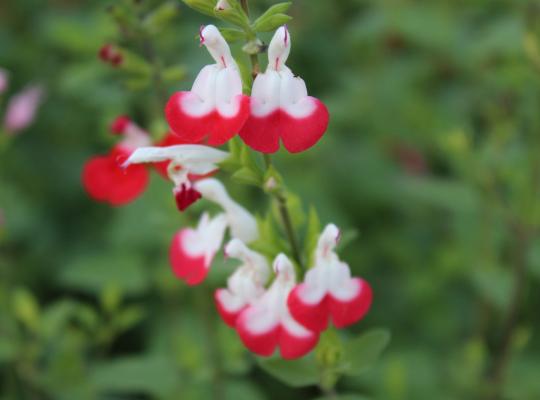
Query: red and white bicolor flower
column 245, row 285
column 105, row 179
column 280, row 106
column 215, row 109
column 192, row 250
column 186, row 162
column 329, row 291
column 267, row 324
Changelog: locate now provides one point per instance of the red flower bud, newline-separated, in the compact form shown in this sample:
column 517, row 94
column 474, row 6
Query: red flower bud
column 120, row 124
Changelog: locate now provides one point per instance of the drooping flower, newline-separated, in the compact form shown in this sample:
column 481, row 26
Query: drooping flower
column 215, row 109
column 267, row 324
column 329, row 291
column 245, row 285
column 22, row 108
column 185, row 162
column 280, row 106
column 105, row 179
column 192, row 250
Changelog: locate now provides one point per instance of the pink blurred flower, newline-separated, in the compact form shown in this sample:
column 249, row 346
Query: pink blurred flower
column 4, row 80
column 21, row 109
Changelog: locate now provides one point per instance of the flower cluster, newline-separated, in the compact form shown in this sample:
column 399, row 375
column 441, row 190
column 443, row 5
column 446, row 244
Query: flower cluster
column 279, row 108
column 270, row 308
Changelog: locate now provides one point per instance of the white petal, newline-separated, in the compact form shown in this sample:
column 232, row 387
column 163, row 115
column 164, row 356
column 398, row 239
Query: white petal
column 206, row 239
column 202, row 98
column 265, row 95
column 294, row 98
column 279, row 49
column 217, row 46
column 182, row 153
column 228, row 88
column 243, row 225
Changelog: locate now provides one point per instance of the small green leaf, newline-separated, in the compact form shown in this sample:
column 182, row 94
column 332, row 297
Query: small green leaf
column 247, row 176
column 129, row 317
column 279, row 8
column 362, row 352
column 158, row 19
column 174, row 74
column 203, row 6
column 295, row 373
column 26, row 308
column 271, row 23
column 232, row 35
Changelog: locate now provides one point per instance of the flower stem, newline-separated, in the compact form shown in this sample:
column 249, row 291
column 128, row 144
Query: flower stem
column 286, row 220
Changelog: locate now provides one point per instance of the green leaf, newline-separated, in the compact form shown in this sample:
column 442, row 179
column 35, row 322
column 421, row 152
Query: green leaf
column 150, row 375
column 295, row 373
column 203, row 6
column 158, row 19
column 93, row 272
column 174, row 74
column 232, row 35
column 271, row 23
column 276, row 9
column 362, row 352
column 26, row 308
column 129, row 317
column 247, row 176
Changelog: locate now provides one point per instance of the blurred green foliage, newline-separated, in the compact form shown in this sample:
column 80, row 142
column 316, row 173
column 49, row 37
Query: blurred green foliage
column 432, row 157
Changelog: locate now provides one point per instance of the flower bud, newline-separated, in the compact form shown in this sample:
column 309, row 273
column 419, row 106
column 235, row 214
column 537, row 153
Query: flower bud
column 120, row 124
column 222, row 5
column 21, row 109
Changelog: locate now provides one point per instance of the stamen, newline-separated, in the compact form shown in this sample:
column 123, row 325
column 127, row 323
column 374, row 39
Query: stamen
column 286, row 34
column 223, row 61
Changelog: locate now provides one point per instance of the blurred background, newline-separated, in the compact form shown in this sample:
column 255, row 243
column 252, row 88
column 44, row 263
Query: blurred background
column 431, row 165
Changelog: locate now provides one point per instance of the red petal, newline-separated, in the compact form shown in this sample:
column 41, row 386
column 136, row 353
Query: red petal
column 229, row 317
column 292, row 347
column 345, row 313
column 263, row 344
column 313, row 316
column 185, row 196
column 192, row 270
column 298, row 134
column 106, row 181
column 212, row 126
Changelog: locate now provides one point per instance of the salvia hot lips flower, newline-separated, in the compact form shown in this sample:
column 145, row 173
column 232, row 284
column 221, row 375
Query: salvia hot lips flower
column 192, row 250
column 329, row 291
column 280, row 106
column 215, row 109
column 105, row 179
column 267, row 324
column 245, row 285
column 186, row 162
